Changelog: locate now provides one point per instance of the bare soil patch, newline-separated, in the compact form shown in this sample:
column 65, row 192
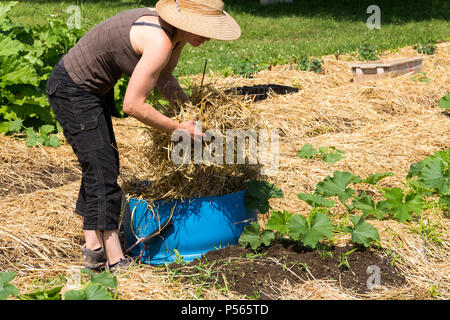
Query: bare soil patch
column 262, row 275
column 261, row 91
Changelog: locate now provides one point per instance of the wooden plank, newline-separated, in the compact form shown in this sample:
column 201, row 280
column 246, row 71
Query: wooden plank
column 385, row 68
column 385, row 63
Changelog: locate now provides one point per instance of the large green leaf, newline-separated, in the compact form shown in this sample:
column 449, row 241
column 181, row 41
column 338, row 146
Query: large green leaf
column 32, row 138
column 416, row 167
column 46, row 129
column 418, row 187
column 28, row 111
column 15, row 126
column 444, row 155
column 5, row 7
column 297, row 226
column 332, row 156
column 402, row 209
column 106, row 279
column 374, row 178
column 266, row 237
column 307, row 151
column 364, row 203
column 6, row 288
column 15, row 70
column 382, row 209
column 337, row 185
column 258, row 193
column 320, row 226
column 10, row 47
column 278, row 221
column 250, row 236
column 93, row 291
column 53, row 141
column 75, row 295
column 31, row 95
column 445, row 101
column 435, row 174
column 316, row 200
column 4, row 127
column 51, row 294
column 445, row 200
column 362, row 232
column 310, row 232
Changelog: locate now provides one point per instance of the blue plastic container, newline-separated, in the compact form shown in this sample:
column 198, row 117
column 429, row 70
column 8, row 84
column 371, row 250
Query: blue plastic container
column 199, row 225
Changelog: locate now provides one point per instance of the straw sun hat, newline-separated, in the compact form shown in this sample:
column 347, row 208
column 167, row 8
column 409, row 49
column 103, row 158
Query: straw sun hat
column 201, row 17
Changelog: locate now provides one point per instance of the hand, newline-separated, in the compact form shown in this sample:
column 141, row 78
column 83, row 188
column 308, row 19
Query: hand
column 196, row 135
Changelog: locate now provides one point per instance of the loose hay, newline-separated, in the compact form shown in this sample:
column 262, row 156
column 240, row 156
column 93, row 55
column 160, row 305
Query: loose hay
column 161, row 178
column 25, row 170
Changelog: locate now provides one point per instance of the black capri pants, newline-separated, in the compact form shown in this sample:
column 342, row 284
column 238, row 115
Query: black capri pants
column 87, row 126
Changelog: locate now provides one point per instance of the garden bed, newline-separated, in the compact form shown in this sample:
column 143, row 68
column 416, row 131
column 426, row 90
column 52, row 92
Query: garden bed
column 384, row 125
column 263, row 274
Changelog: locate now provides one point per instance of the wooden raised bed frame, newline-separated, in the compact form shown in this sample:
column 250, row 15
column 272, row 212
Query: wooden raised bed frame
column 381, row 69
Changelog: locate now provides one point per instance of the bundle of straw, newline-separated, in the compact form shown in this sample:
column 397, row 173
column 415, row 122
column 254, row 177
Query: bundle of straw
column 161, row 178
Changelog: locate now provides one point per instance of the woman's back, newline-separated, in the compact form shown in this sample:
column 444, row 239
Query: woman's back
column 105, row 53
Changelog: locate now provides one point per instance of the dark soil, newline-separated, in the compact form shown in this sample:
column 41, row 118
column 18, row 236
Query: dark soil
column 261, row 91
column 261, row 275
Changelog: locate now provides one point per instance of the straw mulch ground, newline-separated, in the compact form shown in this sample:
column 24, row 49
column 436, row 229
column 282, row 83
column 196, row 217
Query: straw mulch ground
column 383, row 125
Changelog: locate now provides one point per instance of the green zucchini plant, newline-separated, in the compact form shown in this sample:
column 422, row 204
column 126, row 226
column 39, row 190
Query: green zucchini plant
column 309, row 64
column 426, row 178
column 428, row 47
column 444, row 102
column 99, row 287
column 27, row 57
column 246, row 68
column 326, row 154
column 367, row 52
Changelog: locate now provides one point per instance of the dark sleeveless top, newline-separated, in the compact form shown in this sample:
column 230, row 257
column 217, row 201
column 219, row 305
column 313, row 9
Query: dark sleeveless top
column 105, row 53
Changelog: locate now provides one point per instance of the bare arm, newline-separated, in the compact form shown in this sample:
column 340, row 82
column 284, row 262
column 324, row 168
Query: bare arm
column 155, row 57
column 167, row 84
column 143, row 81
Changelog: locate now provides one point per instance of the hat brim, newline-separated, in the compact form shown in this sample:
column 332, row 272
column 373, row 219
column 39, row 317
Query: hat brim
column 221, row 27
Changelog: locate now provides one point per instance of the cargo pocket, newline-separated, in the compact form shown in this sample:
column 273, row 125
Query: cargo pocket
column 51, row 87
column 86, row 136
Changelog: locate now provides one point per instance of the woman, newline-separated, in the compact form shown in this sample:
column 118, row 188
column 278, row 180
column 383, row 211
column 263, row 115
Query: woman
column 144, row 44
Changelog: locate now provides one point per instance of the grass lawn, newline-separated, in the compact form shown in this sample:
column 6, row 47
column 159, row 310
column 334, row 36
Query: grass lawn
column 276, row 33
